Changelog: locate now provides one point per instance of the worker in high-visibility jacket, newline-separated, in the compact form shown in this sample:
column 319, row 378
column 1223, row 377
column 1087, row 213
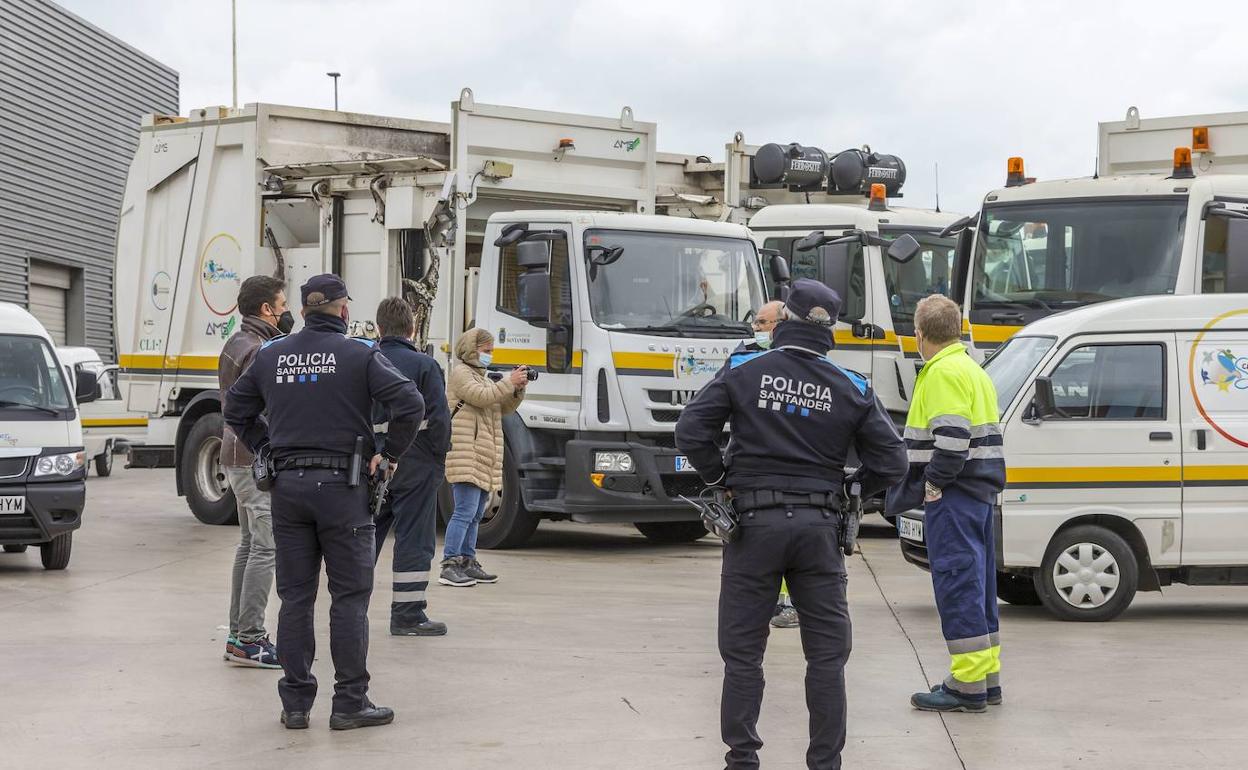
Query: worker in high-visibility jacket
column 957, row 470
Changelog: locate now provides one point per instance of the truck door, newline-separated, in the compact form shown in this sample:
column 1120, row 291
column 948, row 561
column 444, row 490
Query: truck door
column 1214, row 371
column 525, row 298
column 1112, row 448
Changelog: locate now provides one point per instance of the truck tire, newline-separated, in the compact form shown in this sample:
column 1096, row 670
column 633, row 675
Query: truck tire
column 55, row 553
column 511, row 524
column 1089, row 574
column 1019, row 590
column 671, row 531
column 207, row 492
column 15, row 549
column 104, row 461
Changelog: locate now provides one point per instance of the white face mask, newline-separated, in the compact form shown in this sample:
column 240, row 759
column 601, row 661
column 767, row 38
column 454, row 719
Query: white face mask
column 762, row 339
column 485, row 358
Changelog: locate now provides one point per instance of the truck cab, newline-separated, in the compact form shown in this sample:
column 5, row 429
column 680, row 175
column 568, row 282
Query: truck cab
column 42, row 462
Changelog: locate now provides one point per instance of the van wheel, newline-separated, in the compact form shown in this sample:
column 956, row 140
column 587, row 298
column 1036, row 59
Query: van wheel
column 207, row 491
column 55, row 553
column 1089, row 573
column 671, row 531
column 1019, row 590
column 15, row 549
column 510, row 524
column 104, row 461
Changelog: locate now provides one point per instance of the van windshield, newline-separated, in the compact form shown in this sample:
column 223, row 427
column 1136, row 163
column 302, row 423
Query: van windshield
column 1011, row 366
column 30, row 377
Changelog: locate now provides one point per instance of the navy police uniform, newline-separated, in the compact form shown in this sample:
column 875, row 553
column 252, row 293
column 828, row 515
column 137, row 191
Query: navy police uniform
column 315, row 389
column 412, row 505
column 794, row 416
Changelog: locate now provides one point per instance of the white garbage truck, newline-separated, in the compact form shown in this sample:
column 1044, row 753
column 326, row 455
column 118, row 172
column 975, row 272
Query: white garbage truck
column 538, row 226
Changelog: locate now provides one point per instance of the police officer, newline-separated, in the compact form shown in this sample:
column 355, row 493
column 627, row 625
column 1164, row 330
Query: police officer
column 804, row 414
column 412, row 505
column 316, row 389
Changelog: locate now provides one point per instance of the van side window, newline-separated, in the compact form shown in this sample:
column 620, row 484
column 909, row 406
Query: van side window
column 1225, row 268
column 810, row 264
column 1112, row 382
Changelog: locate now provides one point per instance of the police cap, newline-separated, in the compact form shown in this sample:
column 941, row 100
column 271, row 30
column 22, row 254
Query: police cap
column 813, row 302
column 322, row 289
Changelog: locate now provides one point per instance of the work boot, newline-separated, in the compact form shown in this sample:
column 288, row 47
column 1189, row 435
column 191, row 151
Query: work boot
column 369, row 716
column 453, row 573
column 994, row 694
column 295, row 720
column 473, row 569
column 785, row 618
column 421, row 626
column 943, row 700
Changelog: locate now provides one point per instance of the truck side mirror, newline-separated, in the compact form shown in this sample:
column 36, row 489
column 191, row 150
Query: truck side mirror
column 87, row 387
column 1042, row 404
column 903, row 249
column 779, row 267
column 838, row 269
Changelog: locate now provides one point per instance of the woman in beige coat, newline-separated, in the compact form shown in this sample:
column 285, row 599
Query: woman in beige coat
column 474, row 466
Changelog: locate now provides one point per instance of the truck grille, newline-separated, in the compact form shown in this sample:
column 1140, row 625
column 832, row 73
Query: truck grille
column 12, row 467
column 665, row 415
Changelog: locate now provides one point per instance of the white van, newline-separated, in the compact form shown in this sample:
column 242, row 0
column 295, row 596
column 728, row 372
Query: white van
column 108, row 428
column 1126, row 446
column 42, row 462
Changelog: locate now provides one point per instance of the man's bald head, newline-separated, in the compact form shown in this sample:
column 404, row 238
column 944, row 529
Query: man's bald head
column 770, row 313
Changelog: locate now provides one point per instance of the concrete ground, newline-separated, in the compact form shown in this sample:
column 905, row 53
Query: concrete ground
column 596, row 650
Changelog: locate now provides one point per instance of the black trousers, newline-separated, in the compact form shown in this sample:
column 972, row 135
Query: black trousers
column 411, row 510
column 799, row 545
column 316, row 515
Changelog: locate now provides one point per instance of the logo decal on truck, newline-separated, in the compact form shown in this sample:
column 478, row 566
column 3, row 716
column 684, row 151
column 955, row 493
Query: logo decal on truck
column 222, row 329
column 162, row 286
column 218, row 274
column 628, row 145
column 1216, row 373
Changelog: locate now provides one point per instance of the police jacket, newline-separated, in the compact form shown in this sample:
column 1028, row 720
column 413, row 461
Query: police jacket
column 434, row 440
column 317, row 388
column 953, row 437
column 794, row 416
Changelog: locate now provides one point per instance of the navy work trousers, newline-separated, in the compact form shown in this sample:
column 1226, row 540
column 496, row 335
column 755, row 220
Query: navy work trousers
column 412, row 512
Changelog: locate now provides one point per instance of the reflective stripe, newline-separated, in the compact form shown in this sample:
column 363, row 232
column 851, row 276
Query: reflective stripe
column 949, row 421
column 993, row 680
column 951, row 444
column 411, row 577
column 971, row 668
column 994, row 638
column 401, row 597
column 995, row 452
column 967, row 688
column 977, row 431
column 995, row 671
column 919, row 455
column 970, row 644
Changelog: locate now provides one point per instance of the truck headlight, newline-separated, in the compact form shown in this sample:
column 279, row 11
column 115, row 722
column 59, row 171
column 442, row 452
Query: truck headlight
column 59, row 465
column 613, row 462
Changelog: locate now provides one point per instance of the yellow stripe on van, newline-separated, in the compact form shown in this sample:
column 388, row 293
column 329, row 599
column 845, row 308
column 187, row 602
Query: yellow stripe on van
column 114, row 422
column 993, row 332
column 1092, row 475
column 909, row 345
column 659, row 362
column 170, row 363
column 535, row 357
column 1215, row 473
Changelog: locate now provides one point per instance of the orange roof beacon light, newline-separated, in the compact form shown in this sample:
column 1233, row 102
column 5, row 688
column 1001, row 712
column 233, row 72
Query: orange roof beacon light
column 1200, row 139
column 1182, row 163
column 1014, row 176
column 879, row 198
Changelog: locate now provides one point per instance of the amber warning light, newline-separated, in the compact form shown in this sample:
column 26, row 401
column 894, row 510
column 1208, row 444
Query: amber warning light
column 1182, row 163
column 879, row 198
column 1014, row 176
column 1200, row 139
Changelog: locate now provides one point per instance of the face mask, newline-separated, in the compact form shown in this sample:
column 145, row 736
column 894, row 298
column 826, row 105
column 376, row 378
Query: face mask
column 762, row 339
column 285, row 322
column 485, row 358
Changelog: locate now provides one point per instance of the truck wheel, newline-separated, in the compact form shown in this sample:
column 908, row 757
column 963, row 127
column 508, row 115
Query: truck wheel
column 207, row 491
column 1089, row 573
column 55, row 553
column 671, row 531
column 15, row 549
column 104, row 461
column 1019, row 590
column 511, row 524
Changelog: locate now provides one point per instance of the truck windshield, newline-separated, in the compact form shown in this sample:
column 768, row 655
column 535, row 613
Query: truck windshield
column 1011, row 366
column 675, row 284
column 929, row 272
column 30, row 376
column 1051, row 256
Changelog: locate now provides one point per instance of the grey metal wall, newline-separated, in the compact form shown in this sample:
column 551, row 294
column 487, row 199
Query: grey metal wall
column 71, row 97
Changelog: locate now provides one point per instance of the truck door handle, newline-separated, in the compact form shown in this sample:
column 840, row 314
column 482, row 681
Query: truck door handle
column 1003, row 317
column 1200, row 439
column 1161, row 435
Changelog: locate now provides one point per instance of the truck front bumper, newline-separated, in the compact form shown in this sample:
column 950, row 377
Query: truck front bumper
column 52, row 508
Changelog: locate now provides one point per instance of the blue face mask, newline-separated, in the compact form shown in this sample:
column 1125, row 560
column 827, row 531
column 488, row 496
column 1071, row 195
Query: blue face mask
column 485, row 358
column 762, row 339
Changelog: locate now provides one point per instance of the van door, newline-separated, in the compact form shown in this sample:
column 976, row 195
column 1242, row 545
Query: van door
column 1214, row 366
column 1113, row 448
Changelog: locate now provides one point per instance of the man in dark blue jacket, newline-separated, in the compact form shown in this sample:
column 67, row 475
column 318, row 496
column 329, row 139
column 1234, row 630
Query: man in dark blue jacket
column 412, row 506
column 802, row 414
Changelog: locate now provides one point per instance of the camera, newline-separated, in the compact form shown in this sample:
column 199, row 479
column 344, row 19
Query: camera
column 498, row 376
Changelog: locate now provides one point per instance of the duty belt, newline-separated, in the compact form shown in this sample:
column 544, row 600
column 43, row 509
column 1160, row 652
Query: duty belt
column 338, row 463
column 754, row 500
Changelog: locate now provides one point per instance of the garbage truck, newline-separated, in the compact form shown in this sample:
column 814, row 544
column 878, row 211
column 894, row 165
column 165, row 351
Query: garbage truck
column 537, row 226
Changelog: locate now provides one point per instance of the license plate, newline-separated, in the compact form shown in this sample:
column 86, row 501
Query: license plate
column 910, row 529
column 10, row 504
column 683, row 465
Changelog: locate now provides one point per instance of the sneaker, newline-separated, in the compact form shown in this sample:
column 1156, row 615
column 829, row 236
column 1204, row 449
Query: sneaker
column 942, row 700
column 231, row 642
column 473, row 569
column 994, row 695
column 258, row 654
column 453, row 574
column 785, row 618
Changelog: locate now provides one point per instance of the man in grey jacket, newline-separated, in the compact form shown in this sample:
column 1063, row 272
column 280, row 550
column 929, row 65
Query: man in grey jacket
column 262, row 303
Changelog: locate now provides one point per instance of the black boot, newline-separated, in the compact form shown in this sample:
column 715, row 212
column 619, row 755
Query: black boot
column 369, row 716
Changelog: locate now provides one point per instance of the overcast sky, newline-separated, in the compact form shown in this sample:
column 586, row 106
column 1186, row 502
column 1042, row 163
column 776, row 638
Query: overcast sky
column 963, row 84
